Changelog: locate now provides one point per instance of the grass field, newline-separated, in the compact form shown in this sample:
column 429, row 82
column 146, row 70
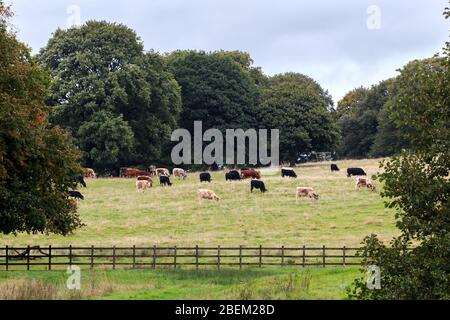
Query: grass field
column 115, row 214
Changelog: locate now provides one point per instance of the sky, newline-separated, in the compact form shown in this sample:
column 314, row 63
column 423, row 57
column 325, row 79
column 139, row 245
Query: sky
column 341, row 44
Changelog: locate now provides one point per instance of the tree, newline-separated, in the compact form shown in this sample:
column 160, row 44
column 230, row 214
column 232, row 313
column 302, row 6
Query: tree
column 417, row 185
column 106, row 140
column 37, row 162
column 358, row 114
column 216, row 88
column 102, row 67
column 301, row 109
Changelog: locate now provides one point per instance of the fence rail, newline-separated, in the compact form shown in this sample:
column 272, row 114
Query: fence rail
column 58, row 257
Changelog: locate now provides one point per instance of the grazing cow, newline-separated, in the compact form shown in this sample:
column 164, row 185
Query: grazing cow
column 207, row 194
column 131, row 173
column 142, row 185
column 89, row 173
column 80, row 180
column 232, row 175
column 164, row 181
column 250, row 173
column 180, row 173
column 305, row 192
column 288, row 172
column 257, row 184
column 145, row 178
column 355, row 172
column 334, row 167
column 205, row 177
column 364, row 182
column 162, row 172
column 76, row 194
column 152, row 170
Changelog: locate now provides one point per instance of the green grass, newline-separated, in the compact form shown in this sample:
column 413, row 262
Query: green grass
column 264, row 283
column 115, row 214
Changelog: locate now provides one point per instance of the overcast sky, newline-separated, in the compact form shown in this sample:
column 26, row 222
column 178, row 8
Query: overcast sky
column 341, row 44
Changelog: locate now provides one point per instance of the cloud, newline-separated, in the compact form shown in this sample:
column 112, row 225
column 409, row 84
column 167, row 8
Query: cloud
column 325, row 39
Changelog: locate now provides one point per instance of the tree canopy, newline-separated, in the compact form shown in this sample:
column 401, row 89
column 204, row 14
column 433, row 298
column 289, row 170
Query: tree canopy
column 37, row 162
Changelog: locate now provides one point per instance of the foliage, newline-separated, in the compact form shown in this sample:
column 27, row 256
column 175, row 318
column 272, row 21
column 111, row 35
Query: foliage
column 102, row 67
column 417, row 186
column 301, row 109
column 37, row 162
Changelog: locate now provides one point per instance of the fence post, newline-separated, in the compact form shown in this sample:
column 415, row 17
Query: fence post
column 114, row 257
column 28, row 258
column 134, row 256
column 92, row 257
column 196, row 257
column 343, row 256
column 175, row 257
column 260, row 255
column 323, row 255
column 7, row 257
column 49, row 257
column 240, row 256
column 303, row 259
column 154, row 256
column 70, row 255
column 218, row 257
column 282, row 255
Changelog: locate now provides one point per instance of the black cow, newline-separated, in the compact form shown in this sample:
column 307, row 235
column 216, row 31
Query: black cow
column 288, row 173
column 164, row 181
column 355, row 172
column 257, row 184
column 76, row 194
column 80, row 180
column 205, row 177
column 334, row 167
column 232, row 175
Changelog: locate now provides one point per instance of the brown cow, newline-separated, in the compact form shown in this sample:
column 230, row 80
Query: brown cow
column 89, row 173
column 250, row 173
column 207, row 194
column 364, row 182
column 142, row 185
column 131, row 173
column 180, row 173
column 146, row 178
column 305, row 192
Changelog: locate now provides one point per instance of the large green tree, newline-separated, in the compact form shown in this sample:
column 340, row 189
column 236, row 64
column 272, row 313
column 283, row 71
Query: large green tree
column 102, row 67
column 217, row 88
column 417, row 186
column 37, row 162
column 302, row 111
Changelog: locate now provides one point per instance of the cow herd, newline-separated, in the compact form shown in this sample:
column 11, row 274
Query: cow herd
column 144, row 180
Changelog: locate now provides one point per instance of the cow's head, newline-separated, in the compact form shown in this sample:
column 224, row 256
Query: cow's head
column 216, row 198
column 314, row 195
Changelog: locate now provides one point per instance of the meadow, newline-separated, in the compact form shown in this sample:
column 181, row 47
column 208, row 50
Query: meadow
column 116, row 215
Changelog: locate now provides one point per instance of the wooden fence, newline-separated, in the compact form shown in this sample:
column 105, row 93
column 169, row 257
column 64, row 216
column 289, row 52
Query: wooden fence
column 58, row 258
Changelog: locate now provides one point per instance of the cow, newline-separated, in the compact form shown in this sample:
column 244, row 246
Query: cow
column 305, row 192
column 288, row 172
column 207, row 194
column 80, row 180
column 180, row 173
column 162, row 172
column 76, row 194
column 257, row 184
column 89, row 173
column 73, row 203
column 232, row 175
column 334, row 167
column 164, row 181
column 355, row 172
column 152, row 170
column 145, row 178
column 205, row 177
column 131, row 173
column 250, row 173
column 142, row 185
column 364, row 182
